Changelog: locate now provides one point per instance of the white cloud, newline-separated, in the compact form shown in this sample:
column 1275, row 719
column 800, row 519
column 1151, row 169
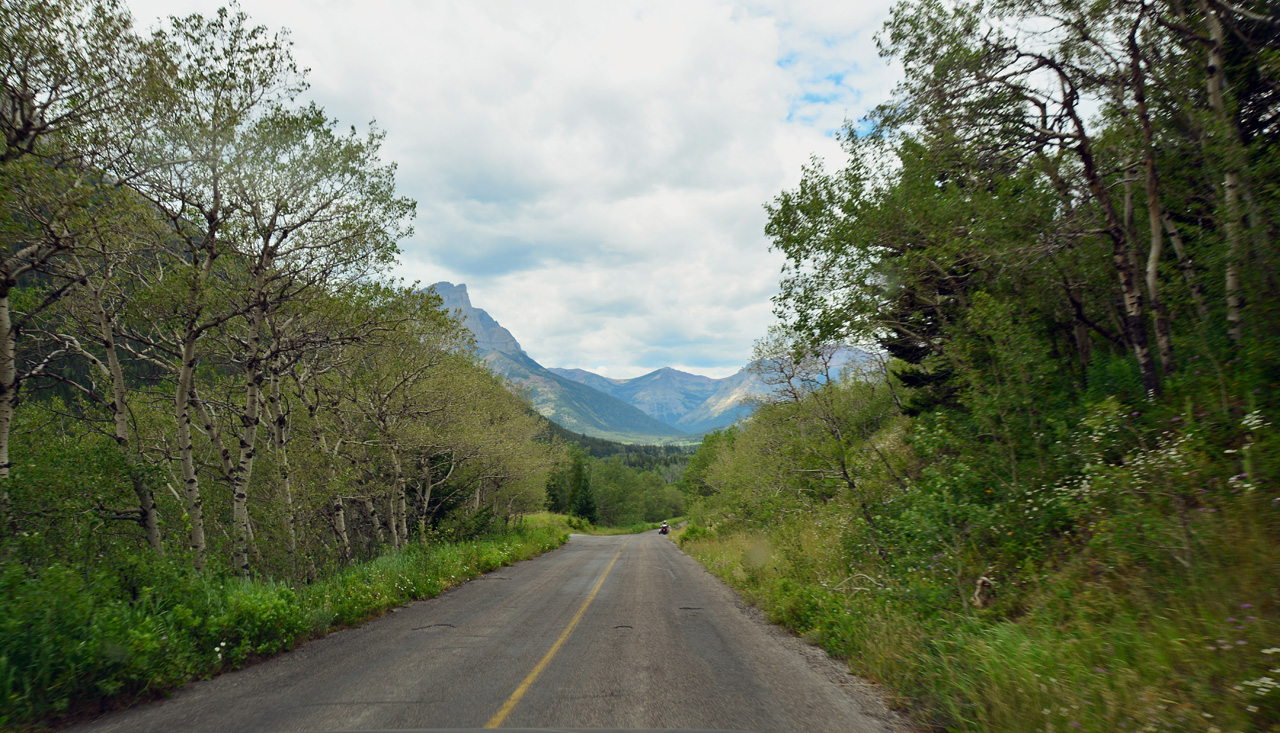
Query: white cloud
column 594, row 172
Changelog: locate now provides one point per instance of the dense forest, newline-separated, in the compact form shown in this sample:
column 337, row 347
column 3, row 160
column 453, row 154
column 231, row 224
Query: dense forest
column 201, row 352
column 1055, row 504
column 618, row 485
column 223, row 426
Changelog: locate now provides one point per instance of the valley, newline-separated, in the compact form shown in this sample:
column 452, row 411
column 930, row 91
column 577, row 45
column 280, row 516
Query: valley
column 665, row 406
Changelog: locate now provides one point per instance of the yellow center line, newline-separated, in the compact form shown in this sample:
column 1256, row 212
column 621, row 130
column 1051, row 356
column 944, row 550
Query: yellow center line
column 502, row 714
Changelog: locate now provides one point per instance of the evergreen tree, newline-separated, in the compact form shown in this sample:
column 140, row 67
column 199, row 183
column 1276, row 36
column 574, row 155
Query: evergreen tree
column 583, row 502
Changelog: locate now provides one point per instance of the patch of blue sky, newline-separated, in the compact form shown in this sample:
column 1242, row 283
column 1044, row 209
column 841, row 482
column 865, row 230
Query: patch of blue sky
column 813, row 110
column 862, row 127
column 816, row 98
column 795, row 116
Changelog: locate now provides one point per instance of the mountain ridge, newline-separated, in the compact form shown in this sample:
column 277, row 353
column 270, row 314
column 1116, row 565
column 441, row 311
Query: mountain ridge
column 664, row 405
column 488, row 333
column 666, row 394
column 577, row 406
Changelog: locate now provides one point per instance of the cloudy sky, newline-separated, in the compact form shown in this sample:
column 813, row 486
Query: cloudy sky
column 594, row 172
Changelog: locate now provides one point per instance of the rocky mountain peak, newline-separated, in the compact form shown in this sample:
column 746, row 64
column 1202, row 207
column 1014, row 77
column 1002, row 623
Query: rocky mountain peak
column 489, row 335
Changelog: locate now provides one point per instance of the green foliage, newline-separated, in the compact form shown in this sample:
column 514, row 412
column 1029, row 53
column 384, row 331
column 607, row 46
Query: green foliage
column 567, row 523
column 626, row 496
column 69, row 641
column 614, row 492
column 1106, row 563
column 1093, row 639
column 564, row 483
column 582, row 502
column 694, row 480
column 59, row 479
column 222, row 381
column 1039, row 523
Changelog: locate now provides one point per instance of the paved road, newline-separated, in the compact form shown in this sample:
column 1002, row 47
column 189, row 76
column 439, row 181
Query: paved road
column 606, row 632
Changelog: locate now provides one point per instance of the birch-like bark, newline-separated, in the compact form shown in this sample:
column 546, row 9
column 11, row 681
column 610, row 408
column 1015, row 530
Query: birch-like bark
column 340, row 528
column 426, row 496
column 404, row 516
column 393, row 522
column 184, row 393
column 8, row 395
column 277, row 422
column 372, row 513
column 1188, row 269
column 1151, row 181
column 1232, row 183
column 1121, row 256
column 249, row 419
column 120, row 409
column 186, row 454
column 401, row 508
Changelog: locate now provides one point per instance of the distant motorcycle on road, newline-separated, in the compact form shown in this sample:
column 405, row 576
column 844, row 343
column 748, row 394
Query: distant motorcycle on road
column 664, row 529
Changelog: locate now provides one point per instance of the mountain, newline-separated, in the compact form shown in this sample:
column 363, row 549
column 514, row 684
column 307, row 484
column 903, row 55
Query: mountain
column 726, row 405
column 573, row 405
column 672, row 396
column 591, row 379
column 490, row 336
column 578, row 407
column 663, row 406
column 693, row 403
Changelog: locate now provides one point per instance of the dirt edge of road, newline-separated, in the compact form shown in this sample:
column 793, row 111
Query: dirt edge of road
column 868, row 695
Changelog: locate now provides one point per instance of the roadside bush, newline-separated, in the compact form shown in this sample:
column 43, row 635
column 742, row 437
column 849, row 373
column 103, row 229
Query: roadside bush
column 1146, row 601
column 693, row 532
column 71, row 641
column 568, row 523
column 261, row 618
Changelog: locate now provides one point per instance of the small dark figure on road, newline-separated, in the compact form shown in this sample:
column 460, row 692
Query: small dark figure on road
column 664, row 528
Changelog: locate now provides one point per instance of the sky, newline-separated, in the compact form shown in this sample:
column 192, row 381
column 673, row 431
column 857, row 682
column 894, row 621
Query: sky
column 594, row 172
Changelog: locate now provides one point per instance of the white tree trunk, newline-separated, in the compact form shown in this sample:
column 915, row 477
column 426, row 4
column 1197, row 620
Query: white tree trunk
column 190, row 478
column 1232, row 182
column 249, row 419
column 8, row 393
column 120, row 411
column 340, row 528
column 277, row 424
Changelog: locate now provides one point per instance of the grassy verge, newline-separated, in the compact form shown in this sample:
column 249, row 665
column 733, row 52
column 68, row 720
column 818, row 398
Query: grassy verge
column 1091, row 646
column 566, row 523
column 75, row 642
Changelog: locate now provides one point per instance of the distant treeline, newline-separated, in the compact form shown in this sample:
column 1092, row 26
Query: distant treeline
column 616, row 484
column 668, row 460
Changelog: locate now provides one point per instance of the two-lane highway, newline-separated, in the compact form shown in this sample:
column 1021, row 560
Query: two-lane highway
column 606, row 632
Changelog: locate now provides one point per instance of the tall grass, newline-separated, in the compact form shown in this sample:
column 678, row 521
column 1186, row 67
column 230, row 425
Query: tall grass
column 1093, row 646
column 78, row 642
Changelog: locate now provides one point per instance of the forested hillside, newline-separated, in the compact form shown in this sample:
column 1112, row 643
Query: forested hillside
column 617, row 484
column 1055, row 505
column 205, row 372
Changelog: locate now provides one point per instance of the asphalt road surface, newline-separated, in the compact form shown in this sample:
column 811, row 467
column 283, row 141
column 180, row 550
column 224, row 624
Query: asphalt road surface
column 605, row 632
